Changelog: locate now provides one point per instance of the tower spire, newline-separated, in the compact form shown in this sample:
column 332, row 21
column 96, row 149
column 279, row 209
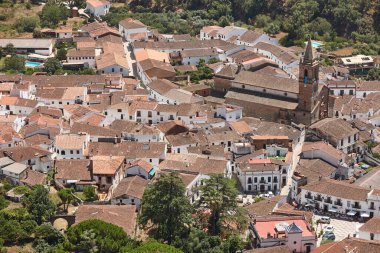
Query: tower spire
column 309, row 53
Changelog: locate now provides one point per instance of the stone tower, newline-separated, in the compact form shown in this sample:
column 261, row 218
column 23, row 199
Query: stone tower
column 308, row 80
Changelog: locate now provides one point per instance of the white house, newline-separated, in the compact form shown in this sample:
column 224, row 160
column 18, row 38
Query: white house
column 129, row 191
column 338, row 132
column 251, row 38
column 229, row 112
column 133, row 30
column 340, row 197
column 71, row 146
column 85, row 56
column 112, row 63
column 140, row 168
column 370, row 230
column 262, row 175
column 209, row 32
column 192, row 57
column 294, row 232
column 97, row 8
column 15, row 172
column 37, row 46
column 108, row 171
column 282, row 56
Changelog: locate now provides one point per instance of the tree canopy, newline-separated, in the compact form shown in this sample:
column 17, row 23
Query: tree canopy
column 98, row 236
column 166, row 206
column 38, row 204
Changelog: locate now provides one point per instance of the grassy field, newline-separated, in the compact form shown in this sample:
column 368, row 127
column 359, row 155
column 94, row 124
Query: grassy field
column 10, row 12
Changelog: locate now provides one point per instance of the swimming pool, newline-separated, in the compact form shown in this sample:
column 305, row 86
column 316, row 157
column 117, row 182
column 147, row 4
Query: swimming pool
column 32, row 64
column 316, row 44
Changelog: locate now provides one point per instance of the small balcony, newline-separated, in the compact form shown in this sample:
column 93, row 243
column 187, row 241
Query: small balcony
column 308, row 196
column 329, row 201
column 318, row 198
column 357, row 206
column 262, row 182
column 338, row 203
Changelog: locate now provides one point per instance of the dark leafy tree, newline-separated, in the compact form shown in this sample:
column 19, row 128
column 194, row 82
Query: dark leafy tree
column 61, row 54
column 89, row 193
column 219, row 195
column 14, row 63
column 52, row 65
column 108, row 238
column 66, row 196
column 38, row 204
column 49, row 234
column 156, row 247
column 166, row 207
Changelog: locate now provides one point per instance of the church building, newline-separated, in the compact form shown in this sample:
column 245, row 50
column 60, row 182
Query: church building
column 275, row 98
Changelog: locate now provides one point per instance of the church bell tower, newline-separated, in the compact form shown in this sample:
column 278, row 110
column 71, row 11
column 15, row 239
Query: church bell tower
column 308, row 80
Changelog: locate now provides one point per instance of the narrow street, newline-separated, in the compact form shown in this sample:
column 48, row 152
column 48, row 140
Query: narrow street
column 296, row 152
column 130, row 58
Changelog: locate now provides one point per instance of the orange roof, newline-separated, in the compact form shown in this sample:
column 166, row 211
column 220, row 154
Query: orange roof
column 259, row 161
column 96, row 3
column 267, row 226
column 151, row 54
column 269, row 137
column 240, row 127
column 8, row 100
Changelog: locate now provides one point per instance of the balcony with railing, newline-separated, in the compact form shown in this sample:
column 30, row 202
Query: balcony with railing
column 328, row 200
column 338, row 203
column 357, row 206
column 262, row 181
column 318, row 198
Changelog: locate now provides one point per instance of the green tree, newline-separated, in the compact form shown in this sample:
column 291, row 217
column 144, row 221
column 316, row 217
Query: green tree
column 14, row 63
column 61, row 54
column 49, row 234
column 40, row 207
column 272, row 29
column 9, row 49
column 152, row 246
column 66, row 195
column 52, row 14
column 27, row 24
column 3, row 202
column 11, row 232
column 87, row 242
column 89, row 193
column 166, row 207
column 374, row 74
column 219, row 194
column 29, row 226
column 52, row 65
column 108, row 237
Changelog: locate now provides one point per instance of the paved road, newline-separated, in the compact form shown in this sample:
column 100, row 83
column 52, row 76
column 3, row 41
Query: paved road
column 342, row 228
column 285, row 190
column 130, row 58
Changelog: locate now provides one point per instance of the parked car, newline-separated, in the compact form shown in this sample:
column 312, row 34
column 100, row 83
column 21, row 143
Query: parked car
column 329, row 236
column 325, row 219
column 328, row 229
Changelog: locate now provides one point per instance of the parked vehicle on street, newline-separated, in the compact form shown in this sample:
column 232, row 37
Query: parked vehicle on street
column 328, row 229
column 325, row 219
column 329, row 236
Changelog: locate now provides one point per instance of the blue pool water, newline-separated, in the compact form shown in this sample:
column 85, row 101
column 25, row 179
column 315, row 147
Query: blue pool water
column 32, row 64
column 316, row 44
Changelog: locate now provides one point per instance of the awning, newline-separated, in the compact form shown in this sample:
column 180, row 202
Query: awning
column 152, row 172
column 351, row 213
column 364, row 215
column 307, row 205
column 332, row 210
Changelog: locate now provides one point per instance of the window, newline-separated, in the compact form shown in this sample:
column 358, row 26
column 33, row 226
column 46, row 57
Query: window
column 121, row 69
column 341, row 92
column 118, row 110
column 71, row 152
column 138, row 113
column 77, row 152
column 243, row 86
column 341, row 142
column 249, row 180
column 269, row 179
column 109, row 180
column 113, row 70
column 351, row 92
column 372, row 236
column 149, row 114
